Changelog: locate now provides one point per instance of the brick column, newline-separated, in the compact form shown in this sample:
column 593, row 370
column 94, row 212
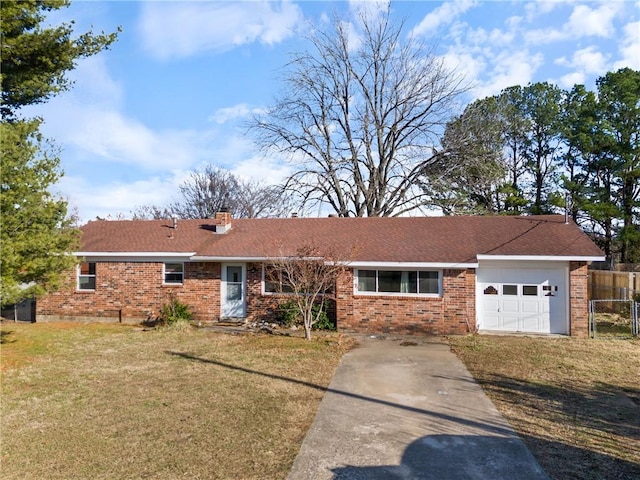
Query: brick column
column 578, row 299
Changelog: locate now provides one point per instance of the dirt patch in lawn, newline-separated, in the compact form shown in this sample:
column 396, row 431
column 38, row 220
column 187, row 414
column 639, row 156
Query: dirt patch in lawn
column 103, row 402
column 575, row 402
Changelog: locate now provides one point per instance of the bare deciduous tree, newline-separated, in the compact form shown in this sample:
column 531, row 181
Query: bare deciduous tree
column 361, row 117
column 308, row 276
column 206, row 192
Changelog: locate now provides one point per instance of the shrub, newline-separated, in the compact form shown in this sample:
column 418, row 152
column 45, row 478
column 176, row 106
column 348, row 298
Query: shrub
column 324, row 322
column 289, row 314
column 175, row 312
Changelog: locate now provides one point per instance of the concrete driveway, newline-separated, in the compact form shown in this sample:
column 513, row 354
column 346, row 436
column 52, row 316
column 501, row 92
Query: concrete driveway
column 397, row 410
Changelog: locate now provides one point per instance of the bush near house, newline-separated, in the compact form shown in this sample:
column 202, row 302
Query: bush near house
column 175, row 312
column 288, row 314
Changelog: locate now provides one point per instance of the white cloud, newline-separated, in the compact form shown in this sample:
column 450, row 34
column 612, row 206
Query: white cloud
column 267, row 171
column 368, row 8
column 114, row 198
column 183, row 29
column 242, row 110
column 569, row 80
column 584, row 21
column 586, row 60
column 630, row 47
column 445, row 14
column 462, row 62
column 111, row 136
column 535, row 9
column 510, row 68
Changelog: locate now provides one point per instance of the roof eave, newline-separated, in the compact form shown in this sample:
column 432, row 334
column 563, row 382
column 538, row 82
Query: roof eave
column 383, row 264
column 543, row 258
column 135, row 256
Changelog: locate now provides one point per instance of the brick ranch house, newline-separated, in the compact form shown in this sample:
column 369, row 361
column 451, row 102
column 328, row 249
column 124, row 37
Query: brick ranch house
column 431, row 275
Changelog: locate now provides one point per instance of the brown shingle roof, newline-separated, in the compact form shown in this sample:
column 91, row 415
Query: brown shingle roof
column 457, row 239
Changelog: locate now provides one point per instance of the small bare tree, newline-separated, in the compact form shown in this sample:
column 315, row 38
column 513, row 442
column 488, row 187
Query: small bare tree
column 309, row 276
column 360, row 117
column 206, row 192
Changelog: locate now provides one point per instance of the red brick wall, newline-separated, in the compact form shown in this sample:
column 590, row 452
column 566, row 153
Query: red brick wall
column 133, row 292
column 453, row 313
column 578, row 299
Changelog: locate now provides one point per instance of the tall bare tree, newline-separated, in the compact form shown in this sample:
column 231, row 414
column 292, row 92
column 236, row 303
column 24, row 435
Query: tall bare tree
column 360, row 117
column 208, row 191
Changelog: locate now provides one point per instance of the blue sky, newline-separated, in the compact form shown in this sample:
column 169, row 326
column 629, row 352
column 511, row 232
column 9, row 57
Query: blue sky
column 171, row 95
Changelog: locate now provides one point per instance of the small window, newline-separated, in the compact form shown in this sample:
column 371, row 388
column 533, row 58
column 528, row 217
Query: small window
column 87, row 276
column 530, row 290
column 173, row 273
column 509, row 290
column 275, row 281
column 490, row 290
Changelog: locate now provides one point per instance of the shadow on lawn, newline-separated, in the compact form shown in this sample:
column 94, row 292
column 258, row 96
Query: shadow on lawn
column 495, row 429
column 603, row 419
column 4, row 337
column 605, row 408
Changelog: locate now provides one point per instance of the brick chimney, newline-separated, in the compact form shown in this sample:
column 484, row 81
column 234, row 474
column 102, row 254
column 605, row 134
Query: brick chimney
column 223, row 221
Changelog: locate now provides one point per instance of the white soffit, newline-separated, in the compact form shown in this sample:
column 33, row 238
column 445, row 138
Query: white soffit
column 135, row 256
column 542, row 258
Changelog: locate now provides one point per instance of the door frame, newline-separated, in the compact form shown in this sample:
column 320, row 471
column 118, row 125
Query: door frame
column 223, row 289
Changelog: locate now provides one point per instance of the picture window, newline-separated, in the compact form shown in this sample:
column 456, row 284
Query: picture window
column 425, row 282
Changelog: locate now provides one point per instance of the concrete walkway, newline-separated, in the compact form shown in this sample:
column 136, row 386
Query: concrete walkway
column 409, row 412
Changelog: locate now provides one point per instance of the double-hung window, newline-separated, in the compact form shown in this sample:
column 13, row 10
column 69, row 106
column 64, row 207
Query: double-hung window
column 414, row 282
column 87, row 276
column 173, row 273
column 275, row 280
column 283, row 280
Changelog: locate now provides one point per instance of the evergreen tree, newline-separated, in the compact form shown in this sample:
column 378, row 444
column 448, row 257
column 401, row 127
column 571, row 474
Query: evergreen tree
column 36, row 231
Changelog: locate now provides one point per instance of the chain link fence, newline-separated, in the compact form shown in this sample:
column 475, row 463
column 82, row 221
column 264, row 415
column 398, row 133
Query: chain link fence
column 613, row 318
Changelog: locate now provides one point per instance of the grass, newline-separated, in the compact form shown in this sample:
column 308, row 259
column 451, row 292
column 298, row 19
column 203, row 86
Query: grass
column 613, row 325
column 575, row 402
column 109, row 401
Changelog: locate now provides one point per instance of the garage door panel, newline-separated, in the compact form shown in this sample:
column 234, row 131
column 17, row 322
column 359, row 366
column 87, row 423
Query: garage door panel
column 531, row 323
column 521, row 302
column 510, row 306
column 492, row 304
column 510, row 322
column 529, row 306
column 491, row 322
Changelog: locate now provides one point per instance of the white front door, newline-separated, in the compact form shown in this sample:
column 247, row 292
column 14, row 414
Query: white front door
column 524, row 297
column 233, row 290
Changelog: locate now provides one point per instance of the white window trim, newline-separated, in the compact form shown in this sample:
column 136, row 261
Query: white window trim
column 164, row 274
column 280, row 294
column 79, row 274
column 396, row 294
column 264, row 284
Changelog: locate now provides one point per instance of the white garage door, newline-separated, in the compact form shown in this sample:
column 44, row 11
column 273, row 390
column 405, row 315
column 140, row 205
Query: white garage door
column 523, row 296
